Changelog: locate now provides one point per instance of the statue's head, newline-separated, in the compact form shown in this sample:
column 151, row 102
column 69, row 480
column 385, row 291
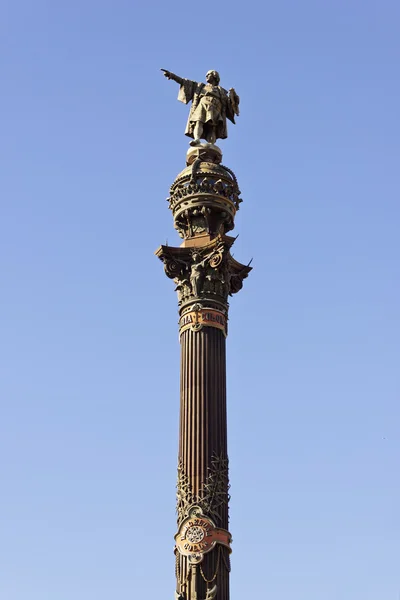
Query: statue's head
column 213, row 77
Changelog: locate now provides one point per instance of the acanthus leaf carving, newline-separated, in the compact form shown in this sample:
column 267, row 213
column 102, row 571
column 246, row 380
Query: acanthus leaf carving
column 204, row 273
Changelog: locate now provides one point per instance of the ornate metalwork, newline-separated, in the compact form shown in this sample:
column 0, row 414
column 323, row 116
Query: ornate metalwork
column 204, row 199
column 184, row 494
column 198, row 317
column 198, row 535
column 195, row 534
column 206, row 273
column 214, row 494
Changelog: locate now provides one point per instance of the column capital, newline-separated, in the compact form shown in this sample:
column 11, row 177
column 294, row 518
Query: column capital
column 205, row 274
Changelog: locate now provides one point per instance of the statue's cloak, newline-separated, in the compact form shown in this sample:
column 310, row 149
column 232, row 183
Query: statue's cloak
column 200, row 111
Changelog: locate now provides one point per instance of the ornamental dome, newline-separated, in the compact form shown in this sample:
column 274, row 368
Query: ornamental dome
column 204, row 198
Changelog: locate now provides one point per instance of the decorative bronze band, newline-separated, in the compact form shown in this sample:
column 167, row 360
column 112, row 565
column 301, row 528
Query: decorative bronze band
column 198, row 535
column 203, row 317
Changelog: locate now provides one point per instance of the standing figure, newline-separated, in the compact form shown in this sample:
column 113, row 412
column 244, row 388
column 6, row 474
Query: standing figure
column 197, row 274
column 211, row 106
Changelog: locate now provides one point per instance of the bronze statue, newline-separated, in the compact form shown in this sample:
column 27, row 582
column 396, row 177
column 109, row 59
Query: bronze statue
column 211, row 106
column 197, row 274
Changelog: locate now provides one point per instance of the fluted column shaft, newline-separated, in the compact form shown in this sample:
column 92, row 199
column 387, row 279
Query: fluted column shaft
column 203, row 436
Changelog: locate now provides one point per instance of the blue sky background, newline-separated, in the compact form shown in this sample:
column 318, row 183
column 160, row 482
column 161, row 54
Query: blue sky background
column 91, row 139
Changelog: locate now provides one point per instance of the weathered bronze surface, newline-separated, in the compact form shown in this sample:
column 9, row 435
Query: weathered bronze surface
column 207, row 274
column 204, row 200
column 211, row 106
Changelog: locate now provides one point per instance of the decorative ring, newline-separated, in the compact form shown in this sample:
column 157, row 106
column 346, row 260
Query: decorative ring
column 171, row 268
column 216, row 260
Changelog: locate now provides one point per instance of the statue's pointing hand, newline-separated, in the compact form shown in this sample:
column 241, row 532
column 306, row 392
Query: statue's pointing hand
column 211, row 106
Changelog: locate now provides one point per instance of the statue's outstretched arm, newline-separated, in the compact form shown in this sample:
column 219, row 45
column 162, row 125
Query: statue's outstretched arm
column 170, row 75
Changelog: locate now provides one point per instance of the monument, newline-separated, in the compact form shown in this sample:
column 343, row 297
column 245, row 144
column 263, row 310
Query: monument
column 204, row 199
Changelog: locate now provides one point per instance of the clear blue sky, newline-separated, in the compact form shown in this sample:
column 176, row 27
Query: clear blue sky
column 91, row 139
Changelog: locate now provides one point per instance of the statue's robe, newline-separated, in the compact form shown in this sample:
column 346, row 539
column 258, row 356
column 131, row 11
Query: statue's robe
column 211, row 106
